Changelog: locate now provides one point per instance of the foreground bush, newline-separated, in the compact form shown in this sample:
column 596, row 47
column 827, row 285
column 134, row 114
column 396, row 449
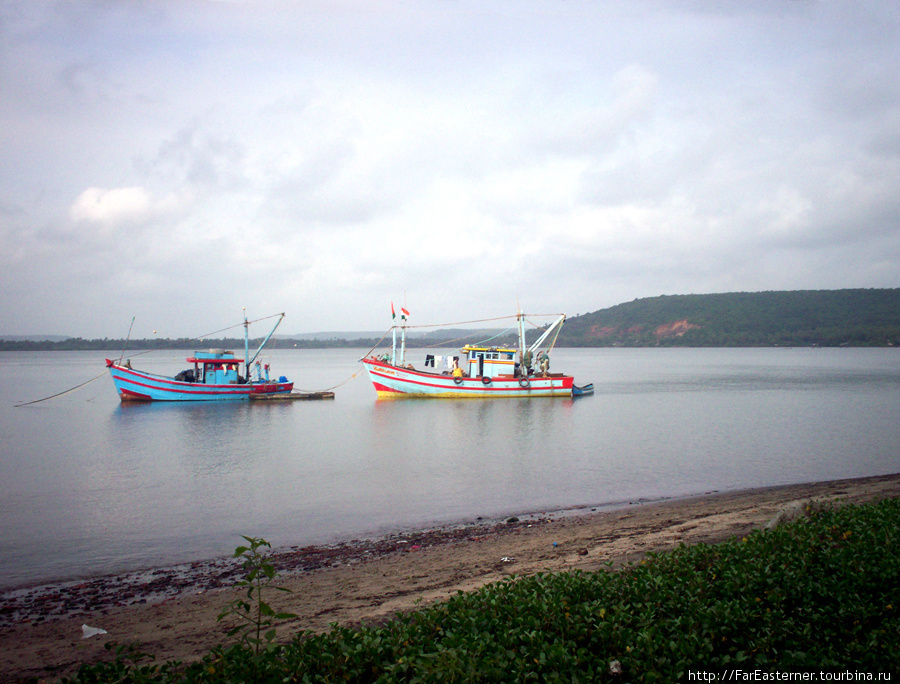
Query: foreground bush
column 818, row 593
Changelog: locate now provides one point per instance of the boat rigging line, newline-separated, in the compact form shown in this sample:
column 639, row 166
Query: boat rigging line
column 482, row 320
column 239, row 325
column 127, row 337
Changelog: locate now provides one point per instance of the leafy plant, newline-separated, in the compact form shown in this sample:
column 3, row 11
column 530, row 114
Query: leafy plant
column 256, row 618
column 821, row 593
column 128, row 665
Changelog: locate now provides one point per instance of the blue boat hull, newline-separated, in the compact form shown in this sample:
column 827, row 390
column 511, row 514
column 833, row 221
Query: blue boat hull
column 584, row 391
column 135, row 385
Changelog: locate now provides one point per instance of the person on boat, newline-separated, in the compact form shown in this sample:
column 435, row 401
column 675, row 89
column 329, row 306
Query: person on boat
column 544, row 363
column 526, row 361
column 457, row 371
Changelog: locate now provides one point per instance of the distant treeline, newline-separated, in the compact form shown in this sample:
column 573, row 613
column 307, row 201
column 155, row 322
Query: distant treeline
column 117, row 345
column 827, row 318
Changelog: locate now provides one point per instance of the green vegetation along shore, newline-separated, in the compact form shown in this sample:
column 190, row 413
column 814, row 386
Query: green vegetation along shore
column 827, row 318
column 821, row 594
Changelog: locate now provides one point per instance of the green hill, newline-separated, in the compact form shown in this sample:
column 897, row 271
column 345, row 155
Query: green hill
column 744, row 319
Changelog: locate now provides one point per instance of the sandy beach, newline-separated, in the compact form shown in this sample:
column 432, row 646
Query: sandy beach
column 172, row 611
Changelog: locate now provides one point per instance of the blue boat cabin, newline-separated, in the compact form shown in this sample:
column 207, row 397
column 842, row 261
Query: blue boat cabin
column 216, row 367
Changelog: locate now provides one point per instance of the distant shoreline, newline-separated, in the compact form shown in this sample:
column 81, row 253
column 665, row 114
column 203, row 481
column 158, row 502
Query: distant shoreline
column 848, row 317
column 146, row 346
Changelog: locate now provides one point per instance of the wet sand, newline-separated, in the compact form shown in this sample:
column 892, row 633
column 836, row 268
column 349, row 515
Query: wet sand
column 172, row 611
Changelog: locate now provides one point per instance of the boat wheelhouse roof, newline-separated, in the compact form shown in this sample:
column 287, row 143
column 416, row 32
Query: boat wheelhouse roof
column 214, row 356
column 472, row 347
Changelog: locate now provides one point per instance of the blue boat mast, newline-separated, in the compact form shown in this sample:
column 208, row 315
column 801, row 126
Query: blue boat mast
column 250, row 359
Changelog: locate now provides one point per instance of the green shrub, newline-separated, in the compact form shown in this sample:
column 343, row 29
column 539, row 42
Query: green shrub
column 818, row 593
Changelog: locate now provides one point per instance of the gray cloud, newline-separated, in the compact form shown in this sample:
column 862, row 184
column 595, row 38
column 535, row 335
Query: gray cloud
column 327, row 158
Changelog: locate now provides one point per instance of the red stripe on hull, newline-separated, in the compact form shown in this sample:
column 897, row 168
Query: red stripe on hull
column 398, row 382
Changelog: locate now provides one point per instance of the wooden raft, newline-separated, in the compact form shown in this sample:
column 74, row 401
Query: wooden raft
column 292, row 396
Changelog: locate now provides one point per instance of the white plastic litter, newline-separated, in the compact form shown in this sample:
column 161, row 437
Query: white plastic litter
column 87, row 632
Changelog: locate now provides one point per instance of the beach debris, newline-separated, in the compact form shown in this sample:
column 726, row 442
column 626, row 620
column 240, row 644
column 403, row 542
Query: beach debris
column 88, row 632
column 507, row 559
column 802, row 508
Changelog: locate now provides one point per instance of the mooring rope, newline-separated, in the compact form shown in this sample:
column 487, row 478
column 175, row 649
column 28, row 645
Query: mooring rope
column 375, row 346
column 333, row 387
column 59, row 394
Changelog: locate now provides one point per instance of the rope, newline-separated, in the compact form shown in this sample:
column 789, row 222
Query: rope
column 447, row 343
column 59, row 394
column 127, row 337
column 555, row 336
column 502, row 332
column 377, row 343
column 239, row 325
column 333, row 387
column 483, row 320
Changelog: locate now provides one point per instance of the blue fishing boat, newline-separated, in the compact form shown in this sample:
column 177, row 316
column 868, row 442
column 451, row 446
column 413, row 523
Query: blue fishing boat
column 215, row 376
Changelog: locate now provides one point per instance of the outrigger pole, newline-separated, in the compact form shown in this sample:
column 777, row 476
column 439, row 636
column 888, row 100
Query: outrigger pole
column 557, row 325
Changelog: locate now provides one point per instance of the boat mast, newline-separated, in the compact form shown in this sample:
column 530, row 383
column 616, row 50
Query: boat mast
column 246, row 346
column 268, row 337
column 393, row 336
column 520, row 322
column 402, row 339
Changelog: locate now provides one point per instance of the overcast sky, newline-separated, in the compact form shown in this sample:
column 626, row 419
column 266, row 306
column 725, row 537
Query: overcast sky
column 178, row 161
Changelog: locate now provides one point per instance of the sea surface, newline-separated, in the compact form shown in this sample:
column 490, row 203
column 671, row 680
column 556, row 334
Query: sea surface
column 90, row 486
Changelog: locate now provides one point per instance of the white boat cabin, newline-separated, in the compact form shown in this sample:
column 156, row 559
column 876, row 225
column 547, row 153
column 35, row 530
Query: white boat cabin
column 489, row 362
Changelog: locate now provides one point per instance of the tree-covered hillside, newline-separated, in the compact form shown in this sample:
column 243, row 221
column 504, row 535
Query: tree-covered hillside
column 806, row 317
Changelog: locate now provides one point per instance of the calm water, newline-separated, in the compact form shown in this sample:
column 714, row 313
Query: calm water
column 90, row 486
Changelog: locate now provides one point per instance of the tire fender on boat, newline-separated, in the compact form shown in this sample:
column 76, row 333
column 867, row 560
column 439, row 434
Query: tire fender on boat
column 524, row 382
column 457, row 379
column 486, row 379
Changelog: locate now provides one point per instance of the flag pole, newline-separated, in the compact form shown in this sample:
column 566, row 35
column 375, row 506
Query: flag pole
column 394, row 336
